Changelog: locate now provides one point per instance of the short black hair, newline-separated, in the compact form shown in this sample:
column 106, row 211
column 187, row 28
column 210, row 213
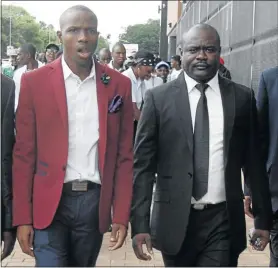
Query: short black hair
column 118, row 44
column 143, row 54
column 76, row 8
column 203, row 26
column 29, row 48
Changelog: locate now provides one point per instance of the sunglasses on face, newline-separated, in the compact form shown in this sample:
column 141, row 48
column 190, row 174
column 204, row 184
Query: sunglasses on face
column 51, row 50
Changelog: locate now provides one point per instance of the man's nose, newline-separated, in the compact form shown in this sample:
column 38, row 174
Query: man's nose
column 202, row 54
column 83, row 36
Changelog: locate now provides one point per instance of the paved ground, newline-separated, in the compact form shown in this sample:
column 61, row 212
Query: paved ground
column 125, row 257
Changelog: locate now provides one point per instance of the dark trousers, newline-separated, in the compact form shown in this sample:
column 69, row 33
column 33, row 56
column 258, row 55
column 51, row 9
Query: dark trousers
column 73, row 239
column 207, row 241
column 274, row 245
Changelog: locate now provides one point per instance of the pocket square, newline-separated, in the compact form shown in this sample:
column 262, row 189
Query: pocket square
column 115, row 104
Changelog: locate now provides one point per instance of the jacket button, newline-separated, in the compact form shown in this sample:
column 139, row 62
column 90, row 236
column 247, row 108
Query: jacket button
column 190, row 175
column 64, row 168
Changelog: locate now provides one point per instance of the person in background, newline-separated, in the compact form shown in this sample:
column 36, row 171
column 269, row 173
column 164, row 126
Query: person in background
column 59, row 53
column 176, row 67
column 50, row 53
column 27, row 59
column 118, row 57
column 9, row 70
column 153, row 81
column 162, row 70
column 104, row 56
column 8, row 232
column 41, row 57
column 267, row 100
column 223, row 71
column 140, row 71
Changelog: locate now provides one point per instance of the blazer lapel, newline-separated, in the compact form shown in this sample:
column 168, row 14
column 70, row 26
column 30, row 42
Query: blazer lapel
column 58, row 85
column 228, row 103
column 183, row 107
column 102, row 98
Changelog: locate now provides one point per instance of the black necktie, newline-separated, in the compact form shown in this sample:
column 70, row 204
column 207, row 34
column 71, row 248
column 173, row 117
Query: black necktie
column 201, row 146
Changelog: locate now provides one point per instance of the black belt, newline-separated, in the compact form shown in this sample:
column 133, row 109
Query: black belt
column 80, row 186
column 206, row 206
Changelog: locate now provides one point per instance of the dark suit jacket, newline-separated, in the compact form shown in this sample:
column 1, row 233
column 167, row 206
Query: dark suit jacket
column 7, row 143
column 164, row 145
column 267, row 104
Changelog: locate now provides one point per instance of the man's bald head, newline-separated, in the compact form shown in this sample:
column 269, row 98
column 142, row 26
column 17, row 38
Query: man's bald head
column 200, row 27
column 78, row 8
column 104, row 55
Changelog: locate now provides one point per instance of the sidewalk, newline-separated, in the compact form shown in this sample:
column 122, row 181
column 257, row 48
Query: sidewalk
column 125, row 257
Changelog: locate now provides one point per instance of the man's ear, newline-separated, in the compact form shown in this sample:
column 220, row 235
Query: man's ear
column 59, row 35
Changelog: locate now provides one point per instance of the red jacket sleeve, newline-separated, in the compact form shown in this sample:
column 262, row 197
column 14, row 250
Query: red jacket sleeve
column 124, row 165
column 24, row 156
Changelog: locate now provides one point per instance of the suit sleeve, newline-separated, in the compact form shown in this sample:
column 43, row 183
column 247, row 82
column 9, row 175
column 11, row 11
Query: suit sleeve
column 124, row 168
column 144, row 167
column 257, row 180
column 263, row 128
column 8, row 143
column 24, row 156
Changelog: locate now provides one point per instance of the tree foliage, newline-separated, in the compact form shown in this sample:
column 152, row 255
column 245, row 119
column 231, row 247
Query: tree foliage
column 102, row 43
column 24, row 29
column 145, row 35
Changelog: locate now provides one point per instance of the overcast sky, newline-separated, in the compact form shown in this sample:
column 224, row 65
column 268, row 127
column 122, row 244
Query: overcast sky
column 113, row 16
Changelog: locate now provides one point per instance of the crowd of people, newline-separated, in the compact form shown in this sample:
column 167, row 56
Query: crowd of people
column 93, row 134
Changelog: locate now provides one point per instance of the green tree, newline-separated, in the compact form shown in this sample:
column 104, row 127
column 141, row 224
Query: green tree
column 145, row 35
column 102, row 43
column 24, row 29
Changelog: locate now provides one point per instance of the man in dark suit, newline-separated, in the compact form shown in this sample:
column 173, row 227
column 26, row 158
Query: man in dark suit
column 73, row 156
column 267, row 100
column 197, row 133
column 8, row 233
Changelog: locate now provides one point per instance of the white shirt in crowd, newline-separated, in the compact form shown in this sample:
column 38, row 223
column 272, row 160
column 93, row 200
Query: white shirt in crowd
column 17, row 80
column 174, row 74
column 138, row 88
column 216, row 181
column 110, row 64
column 83, row 123
column 154, row 81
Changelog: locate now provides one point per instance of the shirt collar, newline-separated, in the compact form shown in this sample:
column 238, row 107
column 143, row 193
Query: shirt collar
column 112, row 67
column 191, row 83
column 68, row 72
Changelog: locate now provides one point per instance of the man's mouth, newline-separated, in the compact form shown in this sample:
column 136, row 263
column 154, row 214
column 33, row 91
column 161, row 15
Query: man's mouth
column 201, row 66
column 84, row 53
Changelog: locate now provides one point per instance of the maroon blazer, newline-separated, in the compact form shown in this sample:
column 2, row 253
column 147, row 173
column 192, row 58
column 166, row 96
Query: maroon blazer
column 42, row 145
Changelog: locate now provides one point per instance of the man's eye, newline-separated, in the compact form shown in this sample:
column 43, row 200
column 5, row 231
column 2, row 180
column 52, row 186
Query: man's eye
column 193, row 50
column 211, row 49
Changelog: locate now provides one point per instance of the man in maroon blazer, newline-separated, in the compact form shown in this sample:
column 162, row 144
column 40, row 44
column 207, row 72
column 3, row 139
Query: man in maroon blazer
column 73, row 154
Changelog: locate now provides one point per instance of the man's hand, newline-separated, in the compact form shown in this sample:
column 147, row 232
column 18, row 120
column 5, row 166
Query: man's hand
column 118, row 235
column 259, row 239
column 137, row 243
column 248, row 206
column 25, row 237
column 9, row 238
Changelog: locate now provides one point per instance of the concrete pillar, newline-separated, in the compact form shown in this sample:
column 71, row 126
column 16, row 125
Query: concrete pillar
column 163, row 42
column 172, row 47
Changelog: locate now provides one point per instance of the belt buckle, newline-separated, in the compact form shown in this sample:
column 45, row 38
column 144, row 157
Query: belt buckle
column 80, row 186
column 199, row 206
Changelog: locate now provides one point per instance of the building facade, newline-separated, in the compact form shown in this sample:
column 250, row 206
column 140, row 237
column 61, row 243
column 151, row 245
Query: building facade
column 248, row 32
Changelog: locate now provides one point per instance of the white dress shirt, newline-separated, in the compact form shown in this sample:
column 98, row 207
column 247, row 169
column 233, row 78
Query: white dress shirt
column 216, row 180
column 83, row 124
column 174, row 74
column 138, row 87
column 154, row 81
column 17, row 80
